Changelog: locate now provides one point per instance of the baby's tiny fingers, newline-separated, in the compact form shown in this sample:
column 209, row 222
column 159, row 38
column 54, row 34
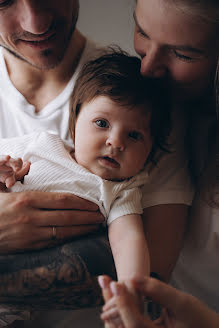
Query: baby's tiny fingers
column 4, row 158
column 10, row 181
column 111, row 315
column 110, row 304
column 24, row 170
column 15, row 163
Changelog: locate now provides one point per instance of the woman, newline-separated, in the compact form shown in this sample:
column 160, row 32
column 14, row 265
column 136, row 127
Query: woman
column 178, row 41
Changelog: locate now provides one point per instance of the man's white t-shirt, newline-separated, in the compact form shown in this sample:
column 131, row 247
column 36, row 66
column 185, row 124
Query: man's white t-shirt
column 18, row 117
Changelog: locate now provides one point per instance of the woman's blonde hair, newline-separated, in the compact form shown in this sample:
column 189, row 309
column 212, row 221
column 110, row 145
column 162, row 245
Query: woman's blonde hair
column 207, row 11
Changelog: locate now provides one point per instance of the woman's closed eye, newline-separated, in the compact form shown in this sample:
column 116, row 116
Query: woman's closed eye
column 142, row 34
column 181, row 56
column 101, row 123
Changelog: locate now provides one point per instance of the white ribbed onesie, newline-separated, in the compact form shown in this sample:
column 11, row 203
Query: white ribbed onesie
column 53, row 169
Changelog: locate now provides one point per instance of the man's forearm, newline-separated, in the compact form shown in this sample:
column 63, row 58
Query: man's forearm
column 63, row 277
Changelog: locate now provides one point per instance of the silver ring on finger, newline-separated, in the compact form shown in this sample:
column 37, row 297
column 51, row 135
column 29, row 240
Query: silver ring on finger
column 54, row 235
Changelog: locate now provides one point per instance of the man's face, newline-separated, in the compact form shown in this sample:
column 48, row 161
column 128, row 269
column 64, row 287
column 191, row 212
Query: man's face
column 38, row 31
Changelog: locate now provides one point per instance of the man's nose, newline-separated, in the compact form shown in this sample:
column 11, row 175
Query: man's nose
column 153, row 63
column 116, row 141
column 35, row 18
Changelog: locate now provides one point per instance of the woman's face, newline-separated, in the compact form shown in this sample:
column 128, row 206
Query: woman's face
column 175, row 46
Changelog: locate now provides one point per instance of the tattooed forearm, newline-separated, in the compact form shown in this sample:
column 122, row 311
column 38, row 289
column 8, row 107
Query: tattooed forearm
column 63, row 277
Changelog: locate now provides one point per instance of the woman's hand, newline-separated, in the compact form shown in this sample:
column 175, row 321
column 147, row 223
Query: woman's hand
column 27, row 219
column 180, row 309
column 111, row 315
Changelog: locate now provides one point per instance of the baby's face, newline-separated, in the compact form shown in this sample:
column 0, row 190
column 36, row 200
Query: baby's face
column 112, row 141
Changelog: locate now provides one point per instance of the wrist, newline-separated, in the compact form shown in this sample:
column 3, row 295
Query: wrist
column 156, row 276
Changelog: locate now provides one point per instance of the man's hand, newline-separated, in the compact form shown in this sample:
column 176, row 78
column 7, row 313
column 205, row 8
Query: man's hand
column 27, row 219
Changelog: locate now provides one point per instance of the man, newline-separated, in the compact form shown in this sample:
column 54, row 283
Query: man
column 41, row 54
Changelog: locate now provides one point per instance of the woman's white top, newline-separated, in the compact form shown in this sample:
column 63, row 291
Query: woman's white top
column 197, row 269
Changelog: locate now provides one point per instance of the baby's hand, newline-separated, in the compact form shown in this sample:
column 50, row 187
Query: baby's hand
column 110, row 312
column 12, row 170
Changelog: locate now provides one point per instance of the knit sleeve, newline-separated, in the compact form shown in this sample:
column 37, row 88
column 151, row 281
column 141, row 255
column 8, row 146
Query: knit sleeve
column 127, row 202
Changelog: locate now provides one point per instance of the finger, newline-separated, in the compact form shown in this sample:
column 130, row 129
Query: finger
column 64, row 233
column 23, row 170
column 136, row 295
column 108, row 324
column 129, row 312
column 110, row 314
column 54, row 200
column 41, row 237
column 15, row 163
column 5, row 169
column 66, row 218
column 10, row 181
column 111, row 318
column 111, row 303
column 44, row 237
column 104, row 282
column 166, row 320
column 4, row 159
column 159, row 292
column 5, row 174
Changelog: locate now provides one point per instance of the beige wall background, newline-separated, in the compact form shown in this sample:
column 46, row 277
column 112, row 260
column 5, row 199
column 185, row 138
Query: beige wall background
column 108, row 21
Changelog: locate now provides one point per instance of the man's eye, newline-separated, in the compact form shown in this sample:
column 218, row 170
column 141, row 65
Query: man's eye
column 102, row 123
column 135, row 135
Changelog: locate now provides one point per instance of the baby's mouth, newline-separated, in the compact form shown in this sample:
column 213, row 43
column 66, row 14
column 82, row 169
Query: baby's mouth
column 109, row 161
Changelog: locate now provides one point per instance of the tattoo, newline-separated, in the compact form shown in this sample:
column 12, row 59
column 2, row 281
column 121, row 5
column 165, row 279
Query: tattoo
column 63, row 277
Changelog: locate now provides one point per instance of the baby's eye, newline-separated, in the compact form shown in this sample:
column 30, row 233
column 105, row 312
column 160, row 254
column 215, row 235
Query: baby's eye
column 102, row 123
column 135, row 135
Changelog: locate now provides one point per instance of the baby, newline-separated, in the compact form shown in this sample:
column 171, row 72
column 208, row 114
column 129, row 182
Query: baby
column 118, row 121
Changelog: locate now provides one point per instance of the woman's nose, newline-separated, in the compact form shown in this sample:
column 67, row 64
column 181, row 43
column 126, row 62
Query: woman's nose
column 153, row 63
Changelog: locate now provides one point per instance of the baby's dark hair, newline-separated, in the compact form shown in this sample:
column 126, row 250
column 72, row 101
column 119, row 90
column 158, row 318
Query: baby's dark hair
column 117, row 76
